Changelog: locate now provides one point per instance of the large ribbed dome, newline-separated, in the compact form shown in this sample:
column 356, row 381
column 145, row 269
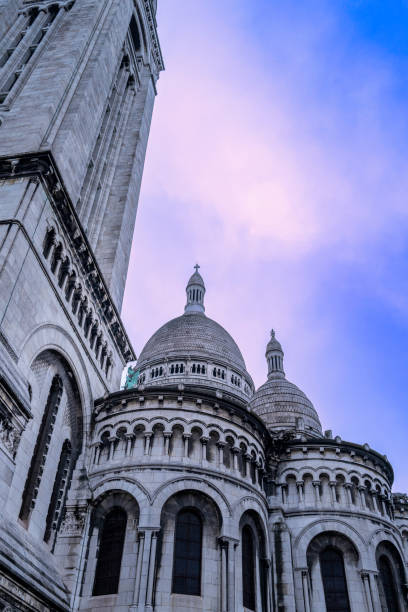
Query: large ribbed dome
column 194, row 350
column 280, row 403
column 196, row 335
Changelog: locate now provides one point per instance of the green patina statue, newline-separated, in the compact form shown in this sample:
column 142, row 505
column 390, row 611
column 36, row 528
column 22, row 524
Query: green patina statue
column 132, row 377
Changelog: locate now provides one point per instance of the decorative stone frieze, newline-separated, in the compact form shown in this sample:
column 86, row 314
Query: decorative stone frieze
column 13, row 420
column 74, row 521
column 41, row 165
column 16, row 598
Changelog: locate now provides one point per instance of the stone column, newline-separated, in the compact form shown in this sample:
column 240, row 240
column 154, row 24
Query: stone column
column 247, row 466
column 145, row 578
column 365, row 577
column 220, row 447
column 111, row 441
column 258, row 474
column 204, row 442
column 284, row 490
column 332, row 485
column 13, row 65
column 300, row 484
column 19, row 25
column 98, row 449
column 348, row 486
column 232, row 544
column 129, row 437
column 266, row 566
column 375, row 501
column 316, row 487
column 363, row 504
column 152, row 570
column 224, row 574
column 235, row 450
column 186, row 438
column 167, row 436
column 147, row 438
column 140, row 550
column 375, row 592
column 306, row 592
column 57, row 271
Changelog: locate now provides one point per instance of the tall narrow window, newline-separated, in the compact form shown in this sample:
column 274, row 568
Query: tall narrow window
column 187, row 553
column 41, row 449
column 248, row 568
column 388, row 584
column 110, row 553
column 58, row 491
column 334, row 581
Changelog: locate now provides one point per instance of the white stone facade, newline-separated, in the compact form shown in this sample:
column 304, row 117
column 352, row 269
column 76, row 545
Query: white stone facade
column 189, row 433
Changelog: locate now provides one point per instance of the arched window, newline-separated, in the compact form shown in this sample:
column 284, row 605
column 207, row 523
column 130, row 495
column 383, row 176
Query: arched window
column 334, row 580
column 134, row 33
column 59, row 490
column 387, row 581
column 110, row 553
column 187, row 553
column 248, row 568
column 41, row 449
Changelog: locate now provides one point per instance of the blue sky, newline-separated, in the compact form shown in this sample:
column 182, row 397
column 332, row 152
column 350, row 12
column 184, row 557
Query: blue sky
column 278, row 160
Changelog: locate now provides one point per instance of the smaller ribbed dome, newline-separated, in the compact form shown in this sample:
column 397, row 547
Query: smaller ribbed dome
column 280, row 403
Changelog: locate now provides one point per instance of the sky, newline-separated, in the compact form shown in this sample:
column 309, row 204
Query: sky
column 278, row 161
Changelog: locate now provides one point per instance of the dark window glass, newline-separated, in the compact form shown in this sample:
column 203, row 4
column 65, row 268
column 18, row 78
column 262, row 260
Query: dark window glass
column 187, row 554
column 59, row 490
column 334, row 581
column 388, row 584
column 110, row 553
column 248, row 568
column 134, row 33
column 39, row 458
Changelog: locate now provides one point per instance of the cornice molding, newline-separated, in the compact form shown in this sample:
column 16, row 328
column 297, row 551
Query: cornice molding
column 119, row 399
column 152, row 24
column 362, row 451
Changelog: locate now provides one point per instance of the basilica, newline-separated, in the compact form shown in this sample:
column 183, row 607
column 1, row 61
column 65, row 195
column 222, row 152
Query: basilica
column 185, row 489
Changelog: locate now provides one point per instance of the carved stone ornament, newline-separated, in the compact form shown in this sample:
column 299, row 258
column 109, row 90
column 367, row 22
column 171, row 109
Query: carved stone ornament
column 14, row 597
column 74, row 522
column 12, row 423
column 41, row 165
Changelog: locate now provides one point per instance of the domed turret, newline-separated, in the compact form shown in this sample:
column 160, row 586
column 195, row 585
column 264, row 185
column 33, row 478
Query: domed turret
column 274, row 357
column 280, row 403
column 195, row 291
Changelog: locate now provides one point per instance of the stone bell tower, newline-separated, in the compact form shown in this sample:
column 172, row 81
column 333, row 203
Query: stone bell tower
column 77, row 88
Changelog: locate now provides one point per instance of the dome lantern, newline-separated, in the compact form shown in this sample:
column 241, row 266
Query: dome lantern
column 274, row 357
column 195, row 291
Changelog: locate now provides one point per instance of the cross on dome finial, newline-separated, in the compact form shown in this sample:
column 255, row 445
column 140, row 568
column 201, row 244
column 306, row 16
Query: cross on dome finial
column 273, row 334
column 195, row 293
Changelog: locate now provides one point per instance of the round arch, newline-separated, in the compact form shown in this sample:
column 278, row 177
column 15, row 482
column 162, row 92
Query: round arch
column 39, row 341
column 124, row 484
column 307, row 534
column 168, row 489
